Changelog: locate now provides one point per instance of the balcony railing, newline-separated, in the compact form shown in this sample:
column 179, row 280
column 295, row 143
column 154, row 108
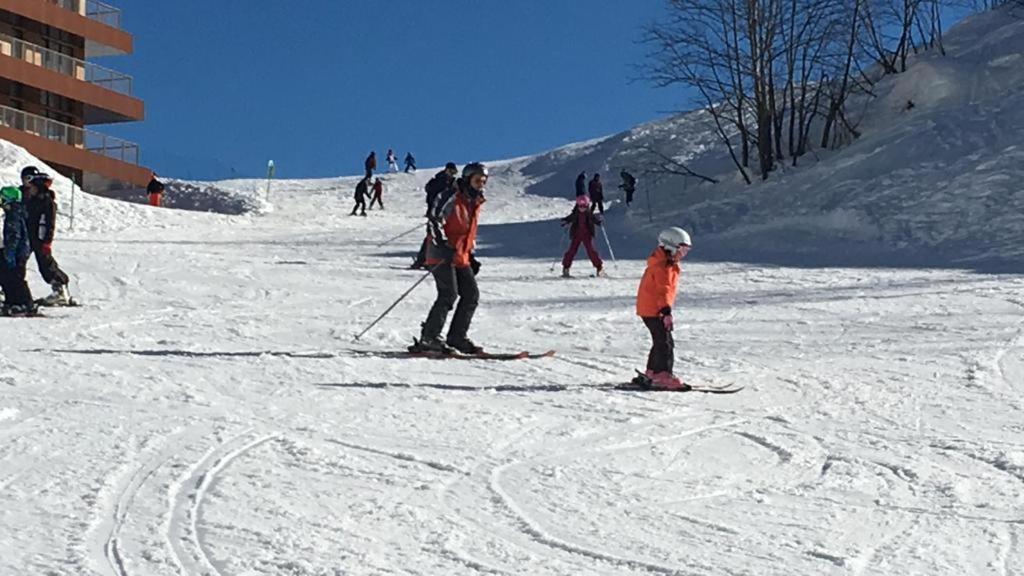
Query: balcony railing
column 93, row 9
column 94, row 142
column 67, row 65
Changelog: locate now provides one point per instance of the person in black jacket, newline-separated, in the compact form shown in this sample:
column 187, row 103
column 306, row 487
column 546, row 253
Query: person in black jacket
column 14, row 253
column 628, row 186
column 41, row 205
column 155, row 189
column 410, row 163
column 370, row 164
column 362, row 190
column 441, row 182
column 596, row 191
column 581, row 184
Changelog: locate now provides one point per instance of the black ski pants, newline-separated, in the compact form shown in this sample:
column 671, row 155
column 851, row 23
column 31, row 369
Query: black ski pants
column 360, row 203
column 48, row 267
column 452, row 284
column 13, row 283
column 663, row 347
column 421, row 256
column 598, row 204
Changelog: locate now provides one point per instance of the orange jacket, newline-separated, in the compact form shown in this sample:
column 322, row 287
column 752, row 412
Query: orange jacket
column 456, row 222
column 658, row 287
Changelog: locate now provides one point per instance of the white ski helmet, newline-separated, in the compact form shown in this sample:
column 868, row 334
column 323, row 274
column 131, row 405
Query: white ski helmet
column 672, row 238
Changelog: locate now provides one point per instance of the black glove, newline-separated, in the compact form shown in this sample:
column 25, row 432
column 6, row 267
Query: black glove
column 474, row 264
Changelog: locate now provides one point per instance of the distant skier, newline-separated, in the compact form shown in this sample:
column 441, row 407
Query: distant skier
column 392, row 161
column 628, row 186
column 410, row 163
column 654, row 302
column 441, row 182
column 14, row 255
column 362, row 190
column 378, row 194
column 155, row 189
column 453, row 224
column 582, row 224
column 370, row 164
column 41, row 205
column 581, row 184
column 596, row 191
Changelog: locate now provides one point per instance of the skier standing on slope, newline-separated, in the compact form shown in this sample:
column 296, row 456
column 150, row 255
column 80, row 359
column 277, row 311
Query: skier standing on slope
column 581, row 184
column 454, row 219
column 370, row 164
column 378, row 194
column 410, row 162
column 582, row 224
column 654, row 302
column 392, row 161
column 628, row 186
column 155, row 189
column 441, row 182
column 14, row 254
column 362, row 189
column 41, row 205
column 596, row 191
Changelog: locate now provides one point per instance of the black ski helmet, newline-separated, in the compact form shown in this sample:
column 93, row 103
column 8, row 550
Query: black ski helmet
column 472, row 169
column 29, row 172
column 451, row 167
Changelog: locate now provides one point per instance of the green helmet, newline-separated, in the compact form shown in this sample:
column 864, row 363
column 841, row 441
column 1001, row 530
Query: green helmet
column 10, row 194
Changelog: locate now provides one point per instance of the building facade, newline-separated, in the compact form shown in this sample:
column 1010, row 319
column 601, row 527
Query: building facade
column 50, row 93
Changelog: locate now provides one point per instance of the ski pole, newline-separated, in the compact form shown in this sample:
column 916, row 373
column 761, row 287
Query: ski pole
column 608, row 242
column 402, row 235
column 560, row 251
column 397, row 302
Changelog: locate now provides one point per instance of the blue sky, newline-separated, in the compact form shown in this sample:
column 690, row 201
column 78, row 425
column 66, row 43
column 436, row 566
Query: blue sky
column 317, row 84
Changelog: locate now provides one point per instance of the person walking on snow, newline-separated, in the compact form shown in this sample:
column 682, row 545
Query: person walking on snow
column 441, row 182
column 362, row 189
column 581, row 184
column 453, row 226
column 14, row 253
column 155, row 189
column 378, row 193
column 410, row 162
column 628, row 186
column 654, row 301
column 392, row 161
column 596, row 191
column 41, row 205
column 370, row 164
column 582, row 224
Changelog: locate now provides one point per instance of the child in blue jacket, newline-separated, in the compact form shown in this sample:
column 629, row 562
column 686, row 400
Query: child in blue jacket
column 14, row 255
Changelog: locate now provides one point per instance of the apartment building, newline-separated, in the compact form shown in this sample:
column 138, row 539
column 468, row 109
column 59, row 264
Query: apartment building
column 51, row 94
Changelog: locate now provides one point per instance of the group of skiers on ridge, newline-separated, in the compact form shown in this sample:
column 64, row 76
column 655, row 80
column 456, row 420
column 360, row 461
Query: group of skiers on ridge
column 30, row 215
column 363, row 188
column 453, row 210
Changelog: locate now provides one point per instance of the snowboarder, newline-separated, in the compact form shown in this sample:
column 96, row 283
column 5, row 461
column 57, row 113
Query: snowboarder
column 41, row 205
column 628, row 186
column 654, row 302
column 581, row 184
column 370, row 164
column 596, row 191
column 378, row 193
column 155, row 189
column 14, row 255
column 453, row 225
column 362, row 189
column 582, row 223
column 441, row 182
column 392, row 161
column 410, row 162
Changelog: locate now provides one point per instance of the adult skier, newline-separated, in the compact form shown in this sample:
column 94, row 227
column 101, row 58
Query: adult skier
column 654, row 301
column 362, row 189
column 392, row 161
column 370, row 164
column 410, row 162
column 155, row 189
column 453, row 226
column 441, row 182
column 582, row 223
column 41, row 205
column 596, row 191
column 378, row 193
column 628, row 186
column 581, row 184
column 14, row 253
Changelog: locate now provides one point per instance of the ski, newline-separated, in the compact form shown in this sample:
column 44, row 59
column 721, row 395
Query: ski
column 633, row 387
column 72, row 303
column 496, row 356
column 512, row 388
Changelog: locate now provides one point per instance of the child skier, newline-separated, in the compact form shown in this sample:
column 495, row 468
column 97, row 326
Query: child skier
column 378, row 193
column 41, row 206
column 14, row 255
column 582, row 224
column 654, row 303
column 392, row 161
